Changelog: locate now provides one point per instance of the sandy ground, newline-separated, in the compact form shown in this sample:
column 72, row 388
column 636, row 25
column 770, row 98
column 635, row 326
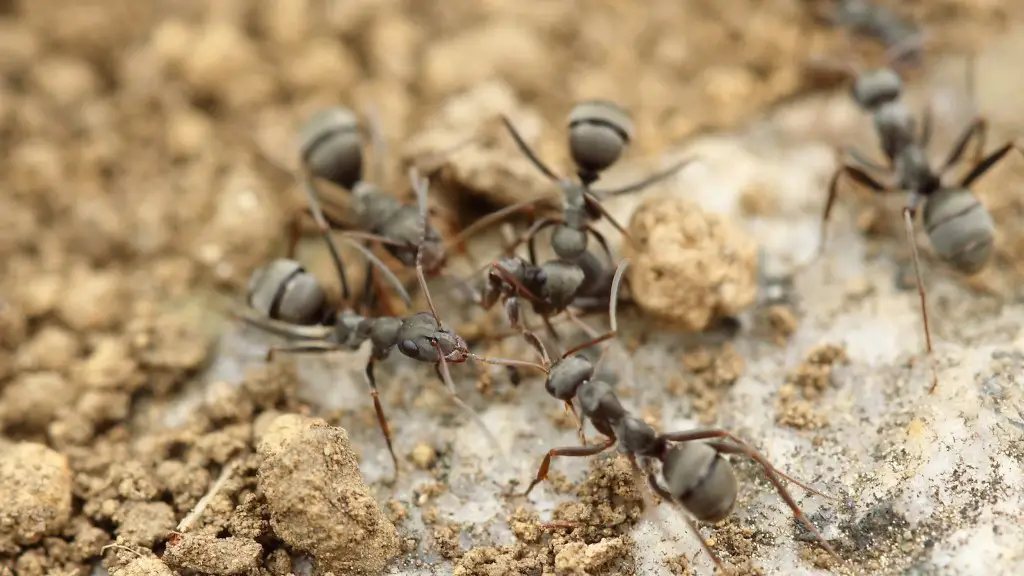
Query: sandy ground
column 141, row 196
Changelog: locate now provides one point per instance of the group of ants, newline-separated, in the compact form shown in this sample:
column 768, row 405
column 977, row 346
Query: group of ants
column 286, row 300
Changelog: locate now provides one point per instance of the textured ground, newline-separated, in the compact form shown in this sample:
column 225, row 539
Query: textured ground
column 136, row 201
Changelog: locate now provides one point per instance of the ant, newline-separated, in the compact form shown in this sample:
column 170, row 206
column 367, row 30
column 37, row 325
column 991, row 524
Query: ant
column 696, row 474
column 550, row 288
column 960, row 228
column 599, row 131
column 331, row 148
column 420, row 336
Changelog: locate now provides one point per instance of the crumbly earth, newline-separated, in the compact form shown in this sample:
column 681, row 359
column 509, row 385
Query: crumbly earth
column 147, row 171
column 317, row 500
column 689, row 267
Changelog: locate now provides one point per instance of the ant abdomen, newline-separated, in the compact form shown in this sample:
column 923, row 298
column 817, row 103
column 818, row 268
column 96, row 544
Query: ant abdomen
column 331, row 146
column 701, row 480
column 599, row 131
column 283, row 290
column 961, row 230
column 876, row 87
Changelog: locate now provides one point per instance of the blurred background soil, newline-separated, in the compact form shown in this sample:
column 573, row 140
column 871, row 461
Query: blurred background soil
column 143, row 146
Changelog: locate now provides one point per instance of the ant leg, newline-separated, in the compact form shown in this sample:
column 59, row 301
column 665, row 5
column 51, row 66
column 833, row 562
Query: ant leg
column 294, row 235
column 531, row 236
column 373, row 261
column 571, row 451
column 594, row 203
column 595, row 195
column 483, row 223
column 441, row 368
column 382, row 420
column 551, row 329
column 527, row 151
column 730, row 448
column 988, row 162
column 325, row 231
column 747, row 450
column 977, row 129
column 858, row 175
column 652, row 481
column 908, row 218
column 279, row 328
column 313, row 347
column 379, row 144
column 602, row 241
column 570, row 408
column 926, row 127
column 421, row 187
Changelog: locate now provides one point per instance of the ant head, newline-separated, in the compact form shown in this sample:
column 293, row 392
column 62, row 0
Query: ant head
column 599, row 131
column 453, row 347
column 284, row 291
column 331, row 147
column 567, row 375
column 701, row 480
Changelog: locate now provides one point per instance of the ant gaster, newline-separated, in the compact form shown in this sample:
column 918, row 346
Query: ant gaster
column 420, row 336
column 959, row 227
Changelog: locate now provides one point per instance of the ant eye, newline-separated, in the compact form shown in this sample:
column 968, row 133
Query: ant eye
column 408, row 347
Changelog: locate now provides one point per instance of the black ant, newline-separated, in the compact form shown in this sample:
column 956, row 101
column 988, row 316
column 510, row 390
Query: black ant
column 960, row 228
column 420, row 336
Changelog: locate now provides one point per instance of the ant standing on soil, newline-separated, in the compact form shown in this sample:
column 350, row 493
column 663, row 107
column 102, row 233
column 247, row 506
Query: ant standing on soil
column 420, row 336
column 695, row 474
column 961, row 230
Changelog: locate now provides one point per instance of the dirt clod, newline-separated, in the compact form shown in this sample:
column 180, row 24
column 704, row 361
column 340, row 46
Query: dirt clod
column 423, row 456
column 578, row 558
column 211, row 555
column 690, row 267
column 309, row 474
column 35, row 494
column 143, row 567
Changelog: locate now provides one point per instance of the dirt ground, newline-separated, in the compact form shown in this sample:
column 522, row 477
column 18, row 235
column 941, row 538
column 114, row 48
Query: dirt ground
column 145, row 177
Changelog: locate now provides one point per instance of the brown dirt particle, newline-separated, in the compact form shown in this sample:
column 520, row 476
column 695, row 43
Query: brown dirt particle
column 446, row 541
column 51, row 348
column 317, row 500
column 145, row 523
column 210, row 555
column 578, row 558
column 35, row 494
column 782, row 322
column 93, row 300
column 143, row 567
column 814, row 375
column 423, row 456
column 689, row 267
column 32, row 401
